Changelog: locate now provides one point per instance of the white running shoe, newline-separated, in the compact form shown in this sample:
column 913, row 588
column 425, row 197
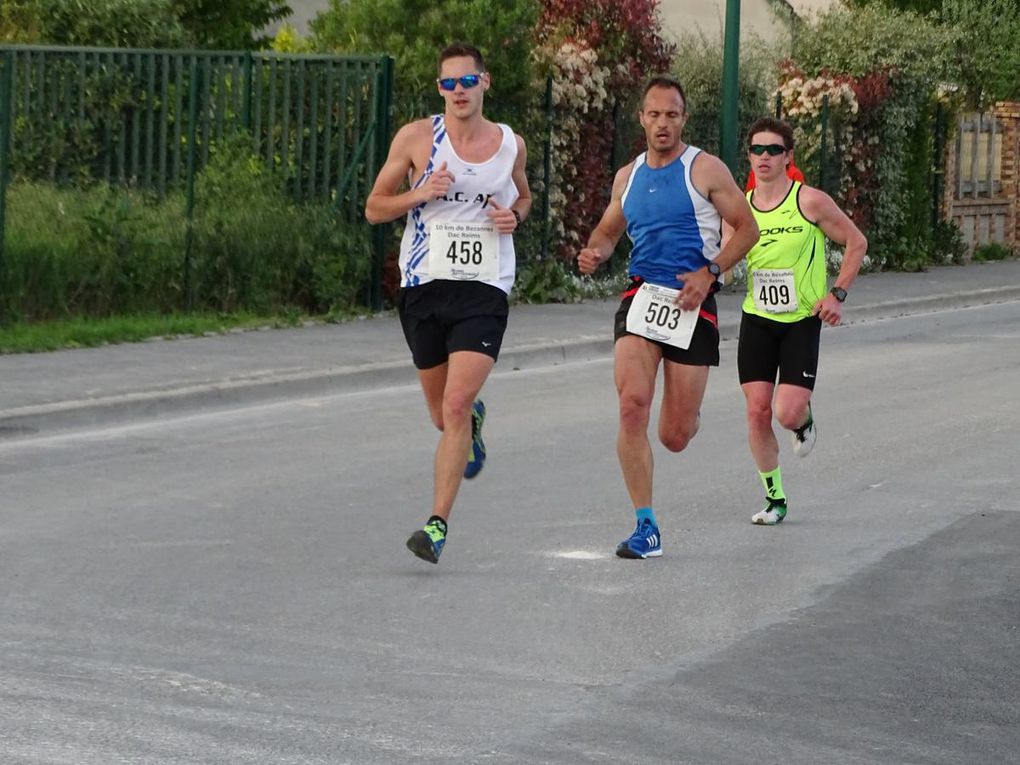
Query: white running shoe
column 804, row 436
column 771, row 514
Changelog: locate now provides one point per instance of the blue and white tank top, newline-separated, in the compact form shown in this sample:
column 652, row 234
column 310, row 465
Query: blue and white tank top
column 674, row 228
column 467, row 200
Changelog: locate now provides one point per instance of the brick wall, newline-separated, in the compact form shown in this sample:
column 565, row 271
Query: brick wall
column 1008, row 113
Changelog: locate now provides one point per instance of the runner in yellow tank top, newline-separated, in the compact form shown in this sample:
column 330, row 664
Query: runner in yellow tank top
column 787, row 265
column 786, row 304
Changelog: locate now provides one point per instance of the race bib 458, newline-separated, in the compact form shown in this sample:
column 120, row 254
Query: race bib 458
column 463, row 251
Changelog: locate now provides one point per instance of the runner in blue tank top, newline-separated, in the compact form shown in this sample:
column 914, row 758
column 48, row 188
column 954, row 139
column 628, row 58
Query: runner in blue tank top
column 671, row 201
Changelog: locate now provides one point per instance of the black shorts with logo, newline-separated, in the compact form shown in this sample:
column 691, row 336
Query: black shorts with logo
column 703, row 350
column 789, row 348
column 441, row 317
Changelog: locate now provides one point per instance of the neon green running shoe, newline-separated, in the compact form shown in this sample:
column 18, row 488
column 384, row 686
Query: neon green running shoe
column 771, row 514
column 427, row 543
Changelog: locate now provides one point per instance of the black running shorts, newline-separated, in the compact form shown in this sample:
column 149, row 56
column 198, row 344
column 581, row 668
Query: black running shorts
column 704, row 348
column 441, row 317
column 789, row 348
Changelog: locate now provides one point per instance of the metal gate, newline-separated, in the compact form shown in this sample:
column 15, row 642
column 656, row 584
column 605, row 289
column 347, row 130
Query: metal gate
column 150, row 119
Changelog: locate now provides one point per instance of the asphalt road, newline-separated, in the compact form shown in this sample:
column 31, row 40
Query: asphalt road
column 232, row 587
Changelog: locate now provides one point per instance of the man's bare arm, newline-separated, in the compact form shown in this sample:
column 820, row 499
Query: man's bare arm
column 384, row 203
column 610, row 228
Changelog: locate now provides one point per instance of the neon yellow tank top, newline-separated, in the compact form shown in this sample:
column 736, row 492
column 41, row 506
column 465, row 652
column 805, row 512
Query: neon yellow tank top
column 786, row 268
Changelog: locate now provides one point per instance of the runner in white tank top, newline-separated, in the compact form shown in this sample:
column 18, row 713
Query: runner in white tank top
column 467, row 195
column 468, row 199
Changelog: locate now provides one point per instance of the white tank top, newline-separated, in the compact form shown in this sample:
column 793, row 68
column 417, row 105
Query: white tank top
column 466, row 201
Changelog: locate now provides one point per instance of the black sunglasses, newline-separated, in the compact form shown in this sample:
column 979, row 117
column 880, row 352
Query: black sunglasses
column 468, row 81
column 772, row 149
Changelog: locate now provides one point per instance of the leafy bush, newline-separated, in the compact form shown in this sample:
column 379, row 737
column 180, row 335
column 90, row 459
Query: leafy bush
column 595, row 50
column 992, row 251
column 260, row 251
column 545, row 281
column 893, row 62
column 229, row 24
column 415, row 31
column 93, row 252
column 113, row 23
column 698, row 67
column 102, row 251
column 947, row 243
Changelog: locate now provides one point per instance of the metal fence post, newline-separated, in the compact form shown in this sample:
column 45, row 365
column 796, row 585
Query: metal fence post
column 939, row 166
column 6, row 122
column 823, row 148
column 547, row 169
column 195, row 85
column 383, row 129
column 247, row 96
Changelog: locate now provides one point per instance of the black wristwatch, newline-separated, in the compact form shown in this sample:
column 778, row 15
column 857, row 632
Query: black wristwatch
column 713, row 268
column 517, row 215
column 839, row 293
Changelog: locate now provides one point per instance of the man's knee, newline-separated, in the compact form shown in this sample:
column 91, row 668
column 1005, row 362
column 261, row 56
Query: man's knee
column 677, row 438
column 791, row 417
column 634, row 410
column 456, row 406
column 759, row 414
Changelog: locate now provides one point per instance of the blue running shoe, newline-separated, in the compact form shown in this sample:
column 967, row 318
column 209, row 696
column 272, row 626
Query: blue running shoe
column 476, row 460
column 427, row 543
column 645, row 542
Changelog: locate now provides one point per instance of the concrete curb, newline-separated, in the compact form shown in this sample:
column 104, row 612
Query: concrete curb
column 930, row 303
column 218, row 395
column 230, row 393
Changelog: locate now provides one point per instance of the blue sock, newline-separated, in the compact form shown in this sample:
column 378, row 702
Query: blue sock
column 646, row 513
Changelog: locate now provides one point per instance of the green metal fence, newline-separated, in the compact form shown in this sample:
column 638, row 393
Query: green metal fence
column 150, row 119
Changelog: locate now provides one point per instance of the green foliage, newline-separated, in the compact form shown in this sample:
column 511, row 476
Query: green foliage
column 922, row 7
column 415, row 31
column 896, row 61
column 992, row 251
column 20, row 22
column 229, row 24
column 947, row 243
column 86, row 332
column 260, row 251
column 987, row 48
column 546, row 281
column 287, row 40
column 100, row 251
column 862, row 40
column 114, row 23
column 917, row 185
column 68, row 145
column 89, row 252
column 982, row 42
column 224, row 24
column 698, row 67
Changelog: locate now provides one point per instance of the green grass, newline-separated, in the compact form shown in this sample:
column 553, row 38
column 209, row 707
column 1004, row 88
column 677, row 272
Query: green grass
column 90, row 332
column 992, row 251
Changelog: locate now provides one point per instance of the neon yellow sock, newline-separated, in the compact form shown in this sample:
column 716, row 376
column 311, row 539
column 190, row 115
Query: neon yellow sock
column 773, row 483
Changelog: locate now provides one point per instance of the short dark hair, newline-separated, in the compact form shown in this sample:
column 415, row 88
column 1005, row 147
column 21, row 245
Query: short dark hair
column 772, row 125
column 458, row 49
column 662, row 81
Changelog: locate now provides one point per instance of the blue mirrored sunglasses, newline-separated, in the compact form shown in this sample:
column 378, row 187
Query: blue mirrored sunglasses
column 468, row 81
